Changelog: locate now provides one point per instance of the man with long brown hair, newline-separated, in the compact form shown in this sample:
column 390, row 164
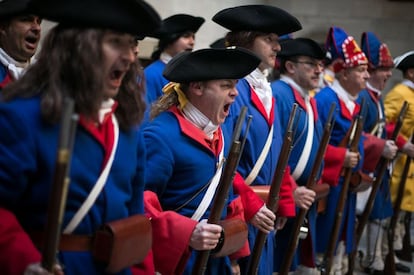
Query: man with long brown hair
column 90, row 60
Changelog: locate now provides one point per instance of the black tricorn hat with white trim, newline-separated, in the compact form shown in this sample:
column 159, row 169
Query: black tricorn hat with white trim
column 405, row 61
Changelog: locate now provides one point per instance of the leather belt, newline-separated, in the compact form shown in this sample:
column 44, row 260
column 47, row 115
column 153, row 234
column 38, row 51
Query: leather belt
column 67, row 242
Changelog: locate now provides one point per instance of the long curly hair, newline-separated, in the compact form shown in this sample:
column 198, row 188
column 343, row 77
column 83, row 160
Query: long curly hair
column 70, row 64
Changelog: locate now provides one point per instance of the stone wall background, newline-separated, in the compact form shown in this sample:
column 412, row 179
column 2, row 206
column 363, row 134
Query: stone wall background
column 392, row 21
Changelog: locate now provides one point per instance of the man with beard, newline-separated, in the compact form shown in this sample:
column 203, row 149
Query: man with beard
column 301, row 63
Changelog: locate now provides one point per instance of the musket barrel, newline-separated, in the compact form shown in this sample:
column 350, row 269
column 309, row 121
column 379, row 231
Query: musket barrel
column 60, row 185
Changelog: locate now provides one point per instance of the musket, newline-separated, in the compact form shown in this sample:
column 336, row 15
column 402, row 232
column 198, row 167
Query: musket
column 273, row 198
column 222, row 191
column 382, row 168
column 312, row 180
column 354, row 138
column 389, row 259
column 405, row 253
column 60, row 185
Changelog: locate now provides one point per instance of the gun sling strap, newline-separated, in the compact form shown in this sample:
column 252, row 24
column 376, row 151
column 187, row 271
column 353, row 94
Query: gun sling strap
column 93, row 195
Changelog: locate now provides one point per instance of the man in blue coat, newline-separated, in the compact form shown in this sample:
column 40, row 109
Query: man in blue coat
column 380, row 70
column 258, row 28
column 108, row 153
column 300, row 68
column 176, row 35
column 350, row 66
column 186, row 148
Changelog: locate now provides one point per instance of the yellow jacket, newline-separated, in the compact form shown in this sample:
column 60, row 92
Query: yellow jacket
column 392, row 103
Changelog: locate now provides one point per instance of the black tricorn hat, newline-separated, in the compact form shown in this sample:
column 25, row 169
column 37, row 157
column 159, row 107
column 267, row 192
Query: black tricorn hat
column 178, row 24
column 405, row 61
column 211, row 64
column 129, row 16
column 262, row 18
column 10, row 8
column 301, row 46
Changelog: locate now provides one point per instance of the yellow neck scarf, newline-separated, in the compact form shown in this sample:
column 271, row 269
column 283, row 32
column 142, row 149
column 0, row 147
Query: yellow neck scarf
column 175, row 87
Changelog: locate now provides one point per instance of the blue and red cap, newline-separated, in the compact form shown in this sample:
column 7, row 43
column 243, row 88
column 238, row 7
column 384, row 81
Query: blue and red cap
column 344, row 50
column 377, row 53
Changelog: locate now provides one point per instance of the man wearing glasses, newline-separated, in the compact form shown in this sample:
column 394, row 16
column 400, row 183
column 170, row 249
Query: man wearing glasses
column 300, row 67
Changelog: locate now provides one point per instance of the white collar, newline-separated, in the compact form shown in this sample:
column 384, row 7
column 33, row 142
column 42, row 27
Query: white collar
column 202, row 122
column 106, row 107
column 258, row 80
column 372, row 88
column 408, row 83
column 14, row 67
column 290, row 81
column 344, row 96
column 165, row 57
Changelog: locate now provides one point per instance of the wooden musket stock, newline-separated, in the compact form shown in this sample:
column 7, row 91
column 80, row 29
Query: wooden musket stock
column 389, row 268
column 383, row 164
column 273, row 198
column 405, row 253
column 312, row 180
column 353, row 147
column 222, row 191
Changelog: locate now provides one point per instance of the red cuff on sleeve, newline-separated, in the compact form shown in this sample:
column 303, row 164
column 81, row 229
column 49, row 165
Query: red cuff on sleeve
column 286, row 206
column 251, row 202
column 171, row 236
column 333, row 162
column 16, row 249
column 373, row 148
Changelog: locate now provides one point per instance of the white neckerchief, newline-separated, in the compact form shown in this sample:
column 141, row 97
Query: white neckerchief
column 196, row 117
column 15, row 68
column 106, row 107
column 408, row 83
column 307, row 148
column 165, row 57
column 379, row 127
column 344, row 96
column 258, row 80
column 291, row 82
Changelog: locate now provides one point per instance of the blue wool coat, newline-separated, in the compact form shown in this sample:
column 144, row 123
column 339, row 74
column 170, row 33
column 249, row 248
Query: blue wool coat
column 154, row 80
column 286, row 96
column 256, row 138
column 179, row 164
column 382, row 206
column 5, row 77
column 28, row 147
column 325, row 221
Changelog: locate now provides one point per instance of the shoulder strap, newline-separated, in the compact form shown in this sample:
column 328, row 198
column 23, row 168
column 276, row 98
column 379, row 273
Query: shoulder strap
column 96, row 190
column 259, row 163
column 304, row 157
column 208, row 196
